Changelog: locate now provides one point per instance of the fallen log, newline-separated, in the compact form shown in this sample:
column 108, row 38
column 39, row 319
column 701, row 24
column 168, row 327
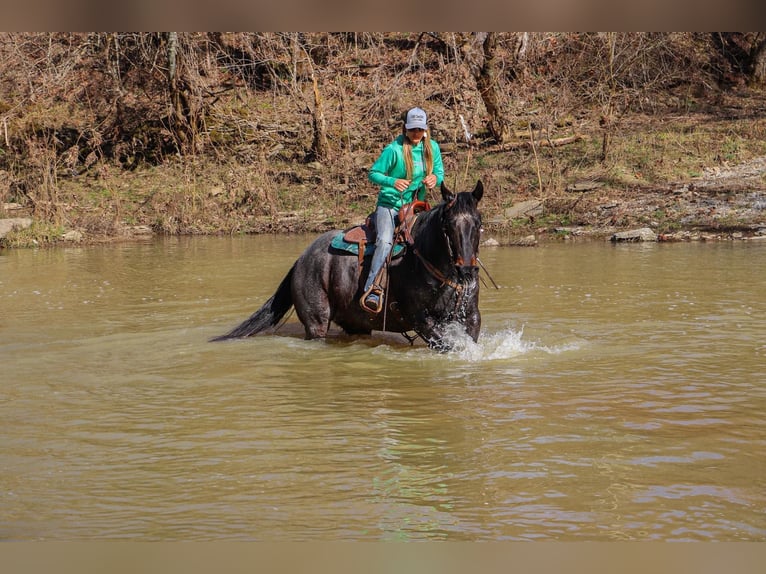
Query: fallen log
column 508, row 146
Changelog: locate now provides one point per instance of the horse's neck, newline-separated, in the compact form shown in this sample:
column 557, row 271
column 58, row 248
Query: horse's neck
column 428, row 238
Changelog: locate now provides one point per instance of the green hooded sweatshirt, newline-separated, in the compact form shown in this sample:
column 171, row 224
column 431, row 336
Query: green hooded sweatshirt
column 390, row 166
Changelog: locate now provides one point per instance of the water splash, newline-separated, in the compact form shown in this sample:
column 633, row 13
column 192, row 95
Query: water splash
column 504, row 344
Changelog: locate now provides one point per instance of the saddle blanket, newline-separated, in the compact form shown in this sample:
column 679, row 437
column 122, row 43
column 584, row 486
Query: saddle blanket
column 339, row 243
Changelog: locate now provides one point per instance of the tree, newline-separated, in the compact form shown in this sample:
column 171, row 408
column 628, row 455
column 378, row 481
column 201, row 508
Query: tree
column 483, row 66
column 187, row 106
column 302, row 58
column 758, row 60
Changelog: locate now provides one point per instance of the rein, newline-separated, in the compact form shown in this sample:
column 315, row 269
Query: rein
column 447, row 305
column 437, row 274
column 458, row 288
column 433, row 270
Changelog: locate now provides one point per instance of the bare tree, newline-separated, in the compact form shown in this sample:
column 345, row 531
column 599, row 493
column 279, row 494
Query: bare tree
column 607, row 120
column 758, row 59
column 319, row 128
column 483, row 66
column 186, row 91
column 175, row 97
column 302, row 59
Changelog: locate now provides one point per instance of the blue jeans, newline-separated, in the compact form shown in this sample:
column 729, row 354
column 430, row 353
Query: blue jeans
column 384, row 225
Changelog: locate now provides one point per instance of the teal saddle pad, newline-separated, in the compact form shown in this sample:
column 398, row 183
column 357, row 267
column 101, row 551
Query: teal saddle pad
column 339, row 243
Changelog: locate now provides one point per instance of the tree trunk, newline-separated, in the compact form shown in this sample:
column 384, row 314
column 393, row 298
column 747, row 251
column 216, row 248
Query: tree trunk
column 521, row 52
column 758, row 74
column 172, row 53
column 113, row 47
column 318, row 125
column 175, row 98
column 179, row 123
column 607, row 121
column 319, row 143
column 486, row 82
column 186, row 111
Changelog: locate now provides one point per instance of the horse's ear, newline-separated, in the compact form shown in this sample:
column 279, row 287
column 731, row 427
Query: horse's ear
column 447, row 194
column 478, row 191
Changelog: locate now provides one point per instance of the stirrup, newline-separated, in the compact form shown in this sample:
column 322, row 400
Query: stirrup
column 368, row 303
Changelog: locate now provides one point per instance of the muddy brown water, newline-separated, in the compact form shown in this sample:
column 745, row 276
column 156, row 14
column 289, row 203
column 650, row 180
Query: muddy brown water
column 617, row 392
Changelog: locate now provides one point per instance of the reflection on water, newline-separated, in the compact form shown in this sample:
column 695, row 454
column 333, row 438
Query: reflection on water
column 615, row 393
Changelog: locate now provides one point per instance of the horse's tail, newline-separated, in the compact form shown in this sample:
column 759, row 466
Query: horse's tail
column 268, row 315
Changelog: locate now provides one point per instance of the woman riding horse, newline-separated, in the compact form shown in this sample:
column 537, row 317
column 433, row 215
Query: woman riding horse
column 407, row 166
column 432, row 285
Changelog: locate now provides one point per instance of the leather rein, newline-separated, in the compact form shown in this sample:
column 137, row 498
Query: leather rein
column 433, row 270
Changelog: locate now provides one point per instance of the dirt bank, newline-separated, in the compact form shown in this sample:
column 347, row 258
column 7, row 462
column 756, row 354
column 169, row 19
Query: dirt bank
column 724, row 204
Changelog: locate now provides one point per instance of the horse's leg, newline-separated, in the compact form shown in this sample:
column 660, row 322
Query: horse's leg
column 473, row 327
column 473, row 322
column 316, row 330
column 433, row 334
column 314, row 313
column 310, row 288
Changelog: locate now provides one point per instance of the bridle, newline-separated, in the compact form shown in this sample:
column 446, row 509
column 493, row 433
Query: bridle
column 457, row 260
column 458, row 288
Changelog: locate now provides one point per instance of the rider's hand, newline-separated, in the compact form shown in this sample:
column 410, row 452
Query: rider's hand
column 430, row 181
column 401, row 184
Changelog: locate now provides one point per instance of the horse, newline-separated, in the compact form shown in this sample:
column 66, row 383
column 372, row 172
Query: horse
column 432, row 285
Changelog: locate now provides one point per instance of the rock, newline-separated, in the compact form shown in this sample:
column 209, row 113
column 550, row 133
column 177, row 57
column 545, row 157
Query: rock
column 74, row 235
column 528, row 241
column 491, row 242
column 13, row 223
column 643, row 234
column 524, row 209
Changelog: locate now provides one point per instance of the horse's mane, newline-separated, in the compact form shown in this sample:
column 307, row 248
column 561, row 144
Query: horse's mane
column 463, row 203
column 424, row 222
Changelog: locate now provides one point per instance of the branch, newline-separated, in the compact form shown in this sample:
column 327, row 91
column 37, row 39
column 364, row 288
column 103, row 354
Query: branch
column 542, row 143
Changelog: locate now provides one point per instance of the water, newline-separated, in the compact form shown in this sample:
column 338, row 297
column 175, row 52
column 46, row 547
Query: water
column 616, row 393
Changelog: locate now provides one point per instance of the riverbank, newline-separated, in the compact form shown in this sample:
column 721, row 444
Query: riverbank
column 721, row 204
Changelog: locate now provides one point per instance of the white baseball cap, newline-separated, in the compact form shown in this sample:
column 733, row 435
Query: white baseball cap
column 416, row 118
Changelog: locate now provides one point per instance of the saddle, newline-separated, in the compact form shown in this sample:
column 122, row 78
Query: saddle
column 365, row 234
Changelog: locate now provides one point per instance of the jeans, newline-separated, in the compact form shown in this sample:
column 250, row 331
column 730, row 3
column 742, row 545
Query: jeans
column 384, row 225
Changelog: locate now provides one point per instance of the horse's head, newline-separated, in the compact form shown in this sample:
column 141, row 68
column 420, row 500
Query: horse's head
column 461, row 222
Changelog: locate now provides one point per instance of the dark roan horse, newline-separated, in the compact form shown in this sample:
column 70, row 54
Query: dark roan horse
column 432, row 285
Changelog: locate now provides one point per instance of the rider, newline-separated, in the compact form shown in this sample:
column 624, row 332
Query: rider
column 405, row 168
